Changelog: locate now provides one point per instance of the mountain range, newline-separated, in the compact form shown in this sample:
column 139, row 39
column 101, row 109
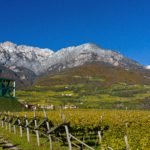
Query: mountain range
column 25, row 63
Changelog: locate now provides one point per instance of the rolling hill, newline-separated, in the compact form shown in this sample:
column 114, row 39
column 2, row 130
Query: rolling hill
column 94, row 85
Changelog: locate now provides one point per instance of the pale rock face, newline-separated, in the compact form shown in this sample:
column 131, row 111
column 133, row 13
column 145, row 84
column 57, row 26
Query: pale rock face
column 75, row 56
column 41, row 60
column 80, row 54
column 32, row 58
column 8, row 46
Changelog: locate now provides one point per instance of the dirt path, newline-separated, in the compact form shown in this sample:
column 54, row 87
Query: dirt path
column 4, row 144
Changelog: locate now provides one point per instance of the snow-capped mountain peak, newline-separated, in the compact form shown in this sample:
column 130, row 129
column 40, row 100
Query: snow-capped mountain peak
column 41, row 60
column 9, row 46
column 32, row 58
column 86, row 53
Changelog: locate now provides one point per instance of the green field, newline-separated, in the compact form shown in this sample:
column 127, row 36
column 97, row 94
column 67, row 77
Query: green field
column 9, row 104
column 91, row 86
column 116, row 96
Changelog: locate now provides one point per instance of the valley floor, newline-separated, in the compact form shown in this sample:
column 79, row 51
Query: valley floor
column 117, row 96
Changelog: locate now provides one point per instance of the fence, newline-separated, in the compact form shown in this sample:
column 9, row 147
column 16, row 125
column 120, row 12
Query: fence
column 43, row 127
column 11, row 122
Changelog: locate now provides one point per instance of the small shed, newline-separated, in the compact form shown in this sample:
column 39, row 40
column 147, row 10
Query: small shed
column 7, row 87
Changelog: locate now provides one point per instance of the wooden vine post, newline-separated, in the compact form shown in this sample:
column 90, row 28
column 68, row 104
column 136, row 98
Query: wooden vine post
column 5, row 121
column 48, row 129
column 20, row 126
column 126, row 142
column 36, row 129
column 27, row 129
column 126, row 137
column 66, row 129
column 9, row 123
column 68, row 137
column 2, row 120
column 100, row 137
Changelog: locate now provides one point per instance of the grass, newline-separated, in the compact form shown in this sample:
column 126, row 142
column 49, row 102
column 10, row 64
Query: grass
column 22, row 143
column 117, row 96
column 9, row 104
column 91, row 86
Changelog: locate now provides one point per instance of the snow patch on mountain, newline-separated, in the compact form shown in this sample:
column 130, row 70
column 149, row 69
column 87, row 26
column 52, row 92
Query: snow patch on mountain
column 86, row 52
column 32, row 58
column 78, row 55
column 40, row 60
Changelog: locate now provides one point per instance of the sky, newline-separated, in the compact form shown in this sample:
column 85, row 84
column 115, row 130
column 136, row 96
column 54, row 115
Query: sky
column 120, row 25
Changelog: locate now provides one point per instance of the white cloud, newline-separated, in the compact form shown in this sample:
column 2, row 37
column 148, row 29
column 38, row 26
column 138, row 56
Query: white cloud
column 148, row 67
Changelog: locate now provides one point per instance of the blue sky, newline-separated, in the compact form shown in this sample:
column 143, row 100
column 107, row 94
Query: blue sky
column 121, row 25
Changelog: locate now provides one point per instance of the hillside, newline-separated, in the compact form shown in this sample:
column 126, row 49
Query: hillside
column 106, row 74
column 9, row 104
column 94, row 85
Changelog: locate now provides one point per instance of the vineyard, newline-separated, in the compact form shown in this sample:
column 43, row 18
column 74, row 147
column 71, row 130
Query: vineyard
column 78, row 129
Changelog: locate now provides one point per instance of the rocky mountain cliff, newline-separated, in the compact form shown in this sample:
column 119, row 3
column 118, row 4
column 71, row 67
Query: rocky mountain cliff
column 32, row 58
column 28, row 62
column 76, row 56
